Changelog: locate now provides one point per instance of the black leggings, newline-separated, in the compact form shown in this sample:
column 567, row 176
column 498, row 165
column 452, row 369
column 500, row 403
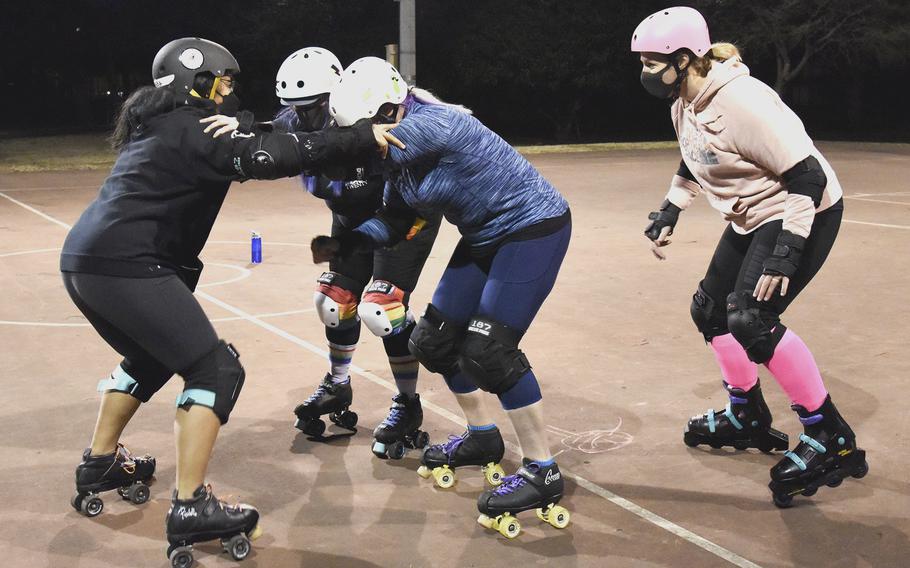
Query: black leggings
column 154, row 323
column 737, row 265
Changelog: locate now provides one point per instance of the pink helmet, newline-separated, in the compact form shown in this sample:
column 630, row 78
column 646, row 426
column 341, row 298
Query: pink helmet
column 672, row 29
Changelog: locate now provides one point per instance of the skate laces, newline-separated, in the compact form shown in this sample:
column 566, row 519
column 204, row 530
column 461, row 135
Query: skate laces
column 396, row 413
column 509, row 484
column 321, row 391
column 449, row 447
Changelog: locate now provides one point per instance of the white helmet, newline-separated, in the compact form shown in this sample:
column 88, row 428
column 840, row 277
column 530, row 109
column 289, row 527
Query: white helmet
column 366, row 85
column 306, row 74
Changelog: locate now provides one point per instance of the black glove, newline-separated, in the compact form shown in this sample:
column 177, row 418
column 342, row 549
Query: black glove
column 666, row 217
column 784, row 260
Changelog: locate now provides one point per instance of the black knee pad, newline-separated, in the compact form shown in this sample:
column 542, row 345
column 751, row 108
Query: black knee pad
column 435, row 341
column 750, row 329
column 140, row 378
column 490, row 356
column 214, row 381
column 709, row 318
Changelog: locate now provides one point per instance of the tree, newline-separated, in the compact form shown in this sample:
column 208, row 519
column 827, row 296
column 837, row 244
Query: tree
column 802, row 32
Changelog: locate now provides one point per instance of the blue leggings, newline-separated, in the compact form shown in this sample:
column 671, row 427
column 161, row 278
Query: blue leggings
column 509, row 289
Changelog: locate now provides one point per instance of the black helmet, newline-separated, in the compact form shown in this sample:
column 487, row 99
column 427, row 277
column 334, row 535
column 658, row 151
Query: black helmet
column 179, row 62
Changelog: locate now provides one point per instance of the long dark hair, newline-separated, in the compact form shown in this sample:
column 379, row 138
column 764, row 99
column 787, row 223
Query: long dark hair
column 137, row 109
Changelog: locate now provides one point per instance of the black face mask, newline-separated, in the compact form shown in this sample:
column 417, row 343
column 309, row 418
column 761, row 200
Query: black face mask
column 314, row 116
column 654, row 84
column 229, row 106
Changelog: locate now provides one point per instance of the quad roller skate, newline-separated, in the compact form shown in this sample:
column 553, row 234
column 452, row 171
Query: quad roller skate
column 119, row 470
column 400, row 431
column 532, row 487
column 329, row 398
column 745, row 423
column 204, row 518
column 826, row 455
column 483, row 448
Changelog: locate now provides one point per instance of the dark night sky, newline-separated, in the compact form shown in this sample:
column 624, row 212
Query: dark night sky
column 533, row 69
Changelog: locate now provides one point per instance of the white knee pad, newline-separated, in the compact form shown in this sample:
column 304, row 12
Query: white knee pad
column 336, row 306
column 383, row 310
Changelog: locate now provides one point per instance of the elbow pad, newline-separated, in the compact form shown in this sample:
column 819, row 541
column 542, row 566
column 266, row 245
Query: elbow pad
column 268, row 156
column 806, row 178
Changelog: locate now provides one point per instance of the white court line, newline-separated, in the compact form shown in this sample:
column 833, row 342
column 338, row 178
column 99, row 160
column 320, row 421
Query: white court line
column 887, row 226
column 645, row 514
column 24, row 252
column 885, row 194
column 50, row 188
column 36, row 212
column 216, row 320
column 877, row 200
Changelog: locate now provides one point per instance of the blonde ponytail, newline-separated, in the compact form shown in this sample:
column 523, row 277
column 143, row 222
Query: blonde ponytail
column 720, row 51
column 426, row 97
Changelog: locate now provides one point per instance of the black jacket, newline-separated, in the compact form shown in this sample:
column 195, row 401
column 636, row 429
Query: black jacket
column 156, row 209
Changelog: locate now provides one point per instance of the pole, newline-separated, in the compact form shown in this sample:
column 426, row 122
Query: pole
column 408, row 41
column 391, row 54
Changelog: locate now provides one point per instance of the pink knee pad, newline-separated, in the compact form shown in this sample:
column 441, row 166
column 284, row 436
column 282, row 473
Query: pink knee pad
column 735, row 366
column 794, row 368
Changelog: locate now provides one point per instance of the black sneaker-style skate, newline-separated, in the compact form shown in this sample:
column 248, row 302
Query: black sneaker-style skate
column 119, row 470
column 204, row 518
column 400, row 431
column 329, row 398
column 483, row 448
column 745, row 423
column 532, row 487
column 826, row 455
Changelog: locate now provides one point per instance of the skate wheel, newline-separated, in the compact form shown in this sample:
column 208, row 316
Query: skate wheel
column 239, row 546
column 485, row 521
column 783, row 501
column 494, row 474
column 689, row 441
column 741, row 445
column 181, row 557
column 509, row 526
column 422, row 441
column 76, row 501
column 347, row 420
column 138, row 493
column 397, row 451
column 862, row 470
column 445, row 477
column 313, row 427
column 92, row 506
column 715, row 445
column 557, row 516
column 834, row 482
column 379, row 450
column 124, row 492
column 423, row 471
column 810, row 491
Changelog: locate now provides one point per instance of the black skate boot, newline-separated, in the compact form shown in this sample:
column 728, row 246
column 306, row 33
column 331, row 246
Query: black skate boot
column 532, row 487
column 826, row 455
column 745, row 423
column 204, row 518
column 483, row 448
column 119, row 470
column 329, row 398
column 400, row 431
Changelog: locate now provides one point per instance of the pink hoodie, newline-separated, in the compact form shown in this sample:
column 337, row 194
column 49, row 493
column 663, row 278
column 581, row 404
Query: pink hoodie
column 737, row 137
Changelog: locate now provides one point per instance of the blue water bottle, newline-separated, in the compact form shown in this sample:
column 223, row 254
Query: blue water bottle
column 256, row 256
